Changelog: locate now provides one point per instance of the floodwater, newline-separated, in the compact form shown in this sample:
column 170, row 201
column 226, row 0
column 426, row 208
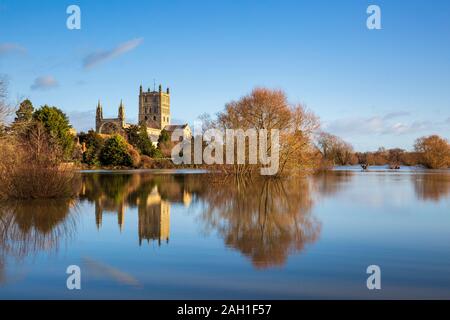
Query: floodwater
column 187, row 235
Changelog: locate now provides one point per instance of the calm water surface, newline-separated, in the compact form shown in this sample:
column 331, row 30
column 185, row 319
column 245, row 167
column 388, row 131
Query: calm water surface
column 162, row 236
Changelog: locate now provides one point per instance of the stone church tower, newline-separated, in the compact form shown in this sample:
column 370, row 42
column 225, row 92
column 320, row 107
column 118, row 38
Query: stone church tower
column 154, row 108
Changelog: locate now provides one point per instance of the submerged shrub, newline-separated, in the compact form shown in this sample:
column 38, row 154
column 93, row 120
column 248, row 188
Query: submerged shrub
column 33, row 169
column 35, row 182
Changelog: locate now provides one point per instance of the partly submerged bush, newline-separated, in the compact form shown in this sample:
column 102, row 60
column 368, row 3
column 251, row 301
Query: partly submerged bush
column 33, row 168
column 32, row 181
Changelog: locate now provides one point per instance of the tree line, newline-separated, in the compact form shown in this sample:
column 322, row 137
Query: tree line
column 431, row 152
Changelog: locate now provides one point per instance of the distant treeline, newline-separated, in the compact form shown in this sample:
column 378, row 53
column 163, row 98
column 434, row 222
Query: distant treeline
column 432, row 152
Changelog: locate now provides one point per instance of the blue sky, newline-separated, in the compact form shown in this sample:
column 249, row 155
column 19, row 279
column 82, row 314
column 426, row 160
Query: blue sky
column 372, row 87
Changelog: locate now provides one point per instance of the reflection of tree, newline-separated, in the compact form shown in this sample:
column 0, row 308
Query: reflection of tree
column 430, row 186
column 265, row 219
column 27, row 227
column 2, row 271
column 327, row 183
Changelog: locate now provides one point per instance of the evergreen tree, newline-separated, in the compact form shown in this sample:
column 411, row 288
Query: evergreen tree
column 115, row 152
column 138, row 137
column 94, row 144
column 163, row 137
column 57, row 125
column 25, row 111
column 145, row 144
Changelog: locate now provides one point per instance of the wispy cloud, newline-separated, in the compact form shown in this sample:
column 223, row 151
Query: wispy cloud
column 11, row 48
column 405, row 128
column 44, row 83
column 100, row 269
column 379, row 125
column 398, row 114
column 96, row 58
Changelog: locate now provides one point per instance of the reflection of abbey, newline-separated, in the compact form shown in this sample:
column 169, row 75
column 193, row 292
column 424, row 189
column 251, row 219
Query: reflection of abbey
column 154, row 112
column 154, row 218
column 153, row 214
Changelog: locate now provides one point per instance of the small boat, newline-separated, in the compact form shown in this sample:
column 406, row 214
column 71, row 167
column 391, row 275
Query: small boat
column 364, row 166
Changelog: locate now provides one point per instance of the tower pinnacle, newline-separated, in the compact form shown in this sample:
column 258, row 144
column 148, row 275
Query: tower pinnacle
column 121, row 110
column 99, row 110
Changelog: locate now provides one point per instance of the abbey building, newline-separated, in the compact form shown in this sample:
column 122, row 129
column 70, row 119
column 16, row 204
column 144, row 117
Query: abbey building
column 154, row 111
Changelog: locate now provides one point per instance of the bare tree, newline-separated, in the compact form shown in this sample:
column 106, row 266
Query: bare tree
column 5, row 109
column 336, row 150
column 269, row 109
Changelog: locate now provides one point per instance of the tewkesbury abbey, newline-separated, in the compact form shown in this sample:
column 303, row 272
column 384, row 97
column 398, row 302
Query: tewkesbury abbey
column 154, row 112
